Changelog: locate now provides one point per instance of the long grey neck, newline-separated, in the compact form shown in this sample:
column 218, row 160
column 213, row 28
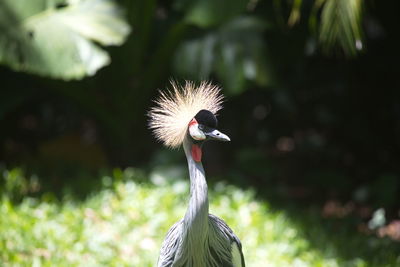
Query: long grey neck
column 196, row 217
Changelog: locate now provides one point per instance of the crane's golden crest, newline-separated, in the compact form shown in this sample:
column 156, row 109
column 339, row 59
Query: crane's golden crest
column 175, row 108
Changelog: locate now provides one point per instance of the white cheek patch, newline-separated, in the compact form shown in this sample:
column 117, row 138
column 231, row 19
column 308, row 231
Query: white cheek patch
column 196, row 133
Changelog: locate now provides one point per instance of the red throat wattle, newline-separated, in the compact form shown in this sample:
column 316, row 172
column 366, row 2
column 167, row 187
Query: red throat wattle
column 196, row 153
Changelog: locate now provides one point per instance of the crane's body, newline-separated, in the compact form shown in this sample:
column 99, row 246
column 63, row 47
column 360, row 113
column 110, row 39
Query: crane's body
column 200, row 239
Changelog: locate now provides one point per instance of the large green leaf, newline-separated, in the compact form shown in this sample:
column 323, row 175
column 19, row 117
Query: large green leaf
column 59, row 38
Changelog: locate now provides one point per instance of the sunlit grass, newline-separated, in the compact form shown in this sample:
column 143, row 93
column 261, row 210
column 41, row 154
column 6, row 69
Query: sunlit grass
column 125, row 222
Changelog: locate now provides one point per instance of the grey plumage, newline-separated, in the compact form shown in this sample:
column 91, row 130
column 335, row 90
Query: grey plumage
column 200, row 239
column 219, row 243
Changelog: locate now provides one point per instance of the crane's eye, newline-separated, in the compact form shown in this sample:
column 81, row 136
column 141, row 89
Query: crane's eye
column 205, row 129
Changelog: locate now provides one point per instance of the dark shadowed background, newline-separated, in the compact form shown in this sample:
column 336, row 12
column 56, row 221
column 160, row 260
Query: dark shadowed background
column 312, row 94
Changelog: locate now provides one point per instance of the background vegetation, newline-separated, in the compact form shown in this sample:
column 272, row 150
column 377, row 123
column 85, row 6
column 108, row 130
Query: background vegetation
column 312, row 110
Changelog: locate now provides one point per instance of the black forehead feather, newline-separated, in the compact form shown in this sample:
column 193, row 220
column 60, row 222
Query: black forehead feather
column 206, row 118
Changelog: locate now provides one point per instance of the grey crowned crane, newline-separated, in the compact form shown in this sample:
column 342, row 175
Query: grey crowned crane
column 186, row 115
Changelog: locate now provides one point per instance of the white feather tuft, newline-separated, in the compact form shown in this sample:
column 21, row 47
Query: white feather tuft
column 175, row 108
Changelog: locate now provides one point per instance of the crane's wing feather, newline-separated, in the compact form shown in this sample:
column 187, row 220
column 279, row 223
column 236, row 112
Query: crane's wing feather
column 170, row 245
column 223, row 240
column 224, row 247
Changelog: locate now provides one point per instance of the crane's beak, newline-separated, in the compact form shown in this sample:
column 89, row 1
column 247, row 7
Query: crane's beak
column 217, row 135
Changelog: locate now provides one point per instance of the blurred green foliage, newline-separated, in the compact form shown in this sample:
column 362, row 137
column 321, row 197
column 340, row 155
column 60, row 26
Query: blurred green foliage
column 341, row 24
column 124, row 223
column 234, row 52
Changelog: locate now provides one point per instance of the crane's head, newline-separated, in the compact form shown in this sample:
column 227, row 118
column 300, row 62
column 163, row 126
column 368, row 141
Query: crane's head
column 203, row 127
column 187, row 112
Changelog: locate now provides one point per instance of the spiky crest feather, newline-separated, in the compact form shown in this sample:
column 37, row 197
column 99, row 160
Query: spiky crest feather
column 175, row 108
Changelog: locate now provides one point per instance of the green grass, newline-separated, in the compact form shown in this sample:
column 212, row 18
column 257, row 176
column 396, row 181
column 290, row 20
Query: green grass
column 124, row 223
